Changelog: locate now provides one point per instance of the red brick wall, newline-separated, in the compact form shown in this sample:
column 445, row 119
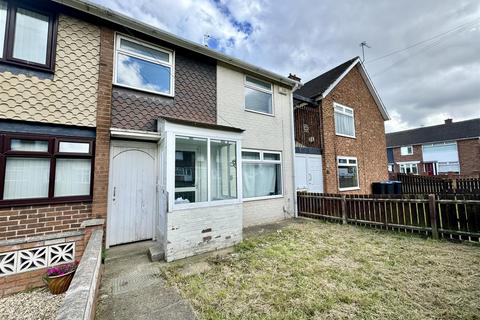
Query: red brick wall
column 369, row 145
column 416, row 156
column 102, row 146
column 32, row 279
column 22, row 222
column 469, row 156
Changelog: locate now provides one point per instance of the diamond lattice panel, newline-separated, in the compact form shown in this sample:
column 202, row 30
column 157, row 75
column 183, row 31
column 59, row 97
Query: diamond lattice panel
column 8, row 263
column 32, row 259
column 61, row 253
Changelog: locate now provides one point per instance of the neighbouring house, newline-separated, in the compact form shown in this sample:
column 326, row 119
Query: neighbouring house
column 449, row 148
column 105, row 118
column 339, row 132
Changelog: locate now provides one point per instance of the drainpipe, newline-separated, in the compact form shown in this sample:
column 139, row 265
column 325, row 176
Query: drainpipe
column 292, row 123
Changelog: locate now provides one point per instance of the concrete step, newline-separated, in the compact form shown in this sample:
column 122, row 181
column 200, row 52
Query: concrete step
column 156, row 253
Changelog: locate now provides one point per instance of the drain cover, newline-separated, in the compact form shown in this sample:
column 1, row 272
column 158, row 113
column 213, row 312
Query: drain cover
column 134, row 281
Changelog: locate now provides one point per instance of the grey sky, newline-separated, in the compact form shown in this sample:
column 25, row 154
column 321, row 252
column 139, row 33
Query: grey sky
column 421, row 86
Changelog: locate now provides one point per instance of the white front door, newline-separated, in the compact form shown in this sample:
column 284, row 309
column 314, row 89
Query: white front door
column 308, row 172
column 132, row 191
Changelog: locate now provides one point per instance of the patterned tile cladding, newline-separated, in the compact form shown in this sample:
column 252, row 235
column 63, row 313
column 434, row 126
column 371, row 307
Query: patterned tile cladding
column 195, row 97
column 71, row 97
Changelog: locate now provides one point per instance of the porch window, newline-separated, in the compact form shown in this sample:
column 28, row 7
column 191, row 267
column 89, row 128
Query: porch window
column 262, row 174
column 202, row 163
column 347, row 173
column 258, row 95
column 344, row 121
column 409, row 168
column 40, row 169
column 28, row 37
column 143, row 66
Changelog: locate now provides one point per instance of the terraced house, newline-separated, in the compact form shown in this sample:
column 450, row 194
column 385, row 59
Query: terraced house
column 107, row 122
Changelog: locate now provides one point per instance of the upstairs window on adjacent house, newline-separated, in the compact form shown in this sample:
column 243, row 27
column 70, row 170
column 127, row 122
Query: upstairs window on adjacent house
column 406, row 151
column 347, row 173
column 262, row 174
column 44, row 169
column 344, row 121
column 258, row 95
column 27, row 37
column 143, row 66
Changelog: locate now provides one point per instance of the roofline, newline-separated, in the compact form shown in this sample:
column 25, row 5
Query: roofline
column 368, row 81
column 123, row 20
column 432, row 142
column 432, row 126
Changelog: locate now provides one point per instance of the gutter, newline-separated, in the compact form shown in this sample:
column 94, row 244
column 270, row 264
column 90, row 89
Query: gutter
column 125, row 21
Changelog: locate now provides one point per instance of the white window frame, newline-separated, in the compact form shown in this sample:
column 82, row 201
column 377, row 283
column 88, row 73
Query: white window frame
column 258, row 88
column 348, row 164
column 409, row 150
column 338, row 105
column 261, row 160
column 410, row 164
column 173, row 130
column 170, row 64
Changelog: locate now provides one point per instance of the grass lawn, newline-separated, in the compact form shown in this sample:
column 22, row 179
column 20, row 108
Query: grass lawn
column 318, row 270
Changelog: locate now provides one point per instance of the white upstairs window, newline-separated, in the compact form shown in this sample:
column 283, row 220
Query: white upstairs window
column 258, row 95
column 344, row 121
column 406, row 151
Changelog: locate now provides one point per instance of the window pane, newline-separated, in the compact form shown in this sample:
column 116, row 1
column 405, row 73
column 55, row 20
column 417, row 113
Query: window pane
column 448, row 167
column 28, row 145
column 344, row 124
column 271, row 156
column 31, row 36
column 258, row 100
column 190, row 170
column 3, row 22
column 72, row 177
column 142, row 74
column 259, row 83
column 26, row 178
column 223, row 168
column 250, row 155
column 143, row 50
column 74, row 147
column 347, row 176
column 261, row 179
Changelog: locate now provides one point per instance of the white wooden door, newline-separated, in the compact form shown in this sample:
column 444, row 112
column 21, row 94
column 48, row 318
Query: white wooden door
column 308, row 172
column 132, row 192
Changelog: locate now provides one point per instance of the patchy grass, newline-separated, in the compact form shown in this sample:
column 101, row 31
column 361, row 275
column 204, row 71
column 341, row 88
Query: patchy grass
column 318, row 270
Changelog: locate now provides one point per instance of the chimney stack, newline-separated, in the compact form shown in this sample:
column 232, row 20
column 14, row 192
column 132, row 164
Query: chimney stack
column 294, row 77
column 448, row 121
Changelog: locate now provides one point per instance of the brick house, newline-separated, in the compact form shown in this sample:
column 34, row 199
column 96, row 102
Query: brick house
column 106, row 119
column 339, row 132
column 449, row 148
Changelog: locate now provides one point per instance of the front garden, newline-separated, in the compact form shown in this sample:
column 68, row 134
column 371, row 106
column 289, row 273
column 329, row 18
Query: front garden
column 318, row 270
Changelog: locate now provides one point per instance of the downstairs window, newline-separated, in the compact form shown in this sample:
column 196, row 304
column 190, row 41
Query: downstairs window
column 262, row 174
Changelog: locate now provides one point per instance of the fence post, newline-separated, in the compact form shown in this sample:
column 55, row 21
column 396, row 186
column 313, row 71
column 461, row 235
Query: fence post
column 344, row 209
column 432, row 208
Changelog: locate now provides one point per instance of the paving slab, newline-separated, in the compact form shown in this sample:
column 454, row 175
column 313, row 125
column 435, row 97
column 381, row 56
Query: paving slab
column 132, row 288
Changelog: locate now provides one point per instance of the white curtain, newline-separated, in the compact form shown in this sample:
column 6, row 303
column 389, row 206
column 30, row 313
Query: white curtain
column 26, row 178
column 259, row 179
column 3, row 21
column 344, row 124
column 31, row 36
column 72, row 177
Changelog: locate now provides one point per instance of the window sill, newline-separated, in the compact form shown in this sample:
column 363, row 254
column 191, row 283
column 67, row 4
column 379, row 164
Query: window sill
column 199, row 205
column 345, row 136
column 348, row 189
column 34, row 202
column 259, row 112
column 262, row 198
column 169, row 95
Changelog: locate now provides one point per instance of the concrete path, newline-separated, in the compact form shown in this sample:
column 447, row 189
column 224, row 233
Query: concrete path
column 132, row 288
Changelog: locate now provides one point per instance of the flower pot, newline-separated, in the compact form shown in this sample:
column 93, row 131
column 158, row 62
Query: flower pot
column 59, row 284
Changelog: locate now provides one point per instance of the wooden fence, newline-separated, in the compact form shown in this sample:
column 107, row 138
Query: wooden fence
column 413, row 184
column 448, row 216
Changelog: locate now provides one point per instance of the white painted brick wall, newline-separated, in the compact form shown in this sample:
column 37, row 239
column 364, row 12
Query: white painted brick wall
column 194, row 231
column 261, row 132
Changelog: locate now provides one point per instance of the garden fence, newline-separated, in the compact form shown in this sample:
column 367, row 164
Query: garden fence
column 445, row 216
column 414, row 184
